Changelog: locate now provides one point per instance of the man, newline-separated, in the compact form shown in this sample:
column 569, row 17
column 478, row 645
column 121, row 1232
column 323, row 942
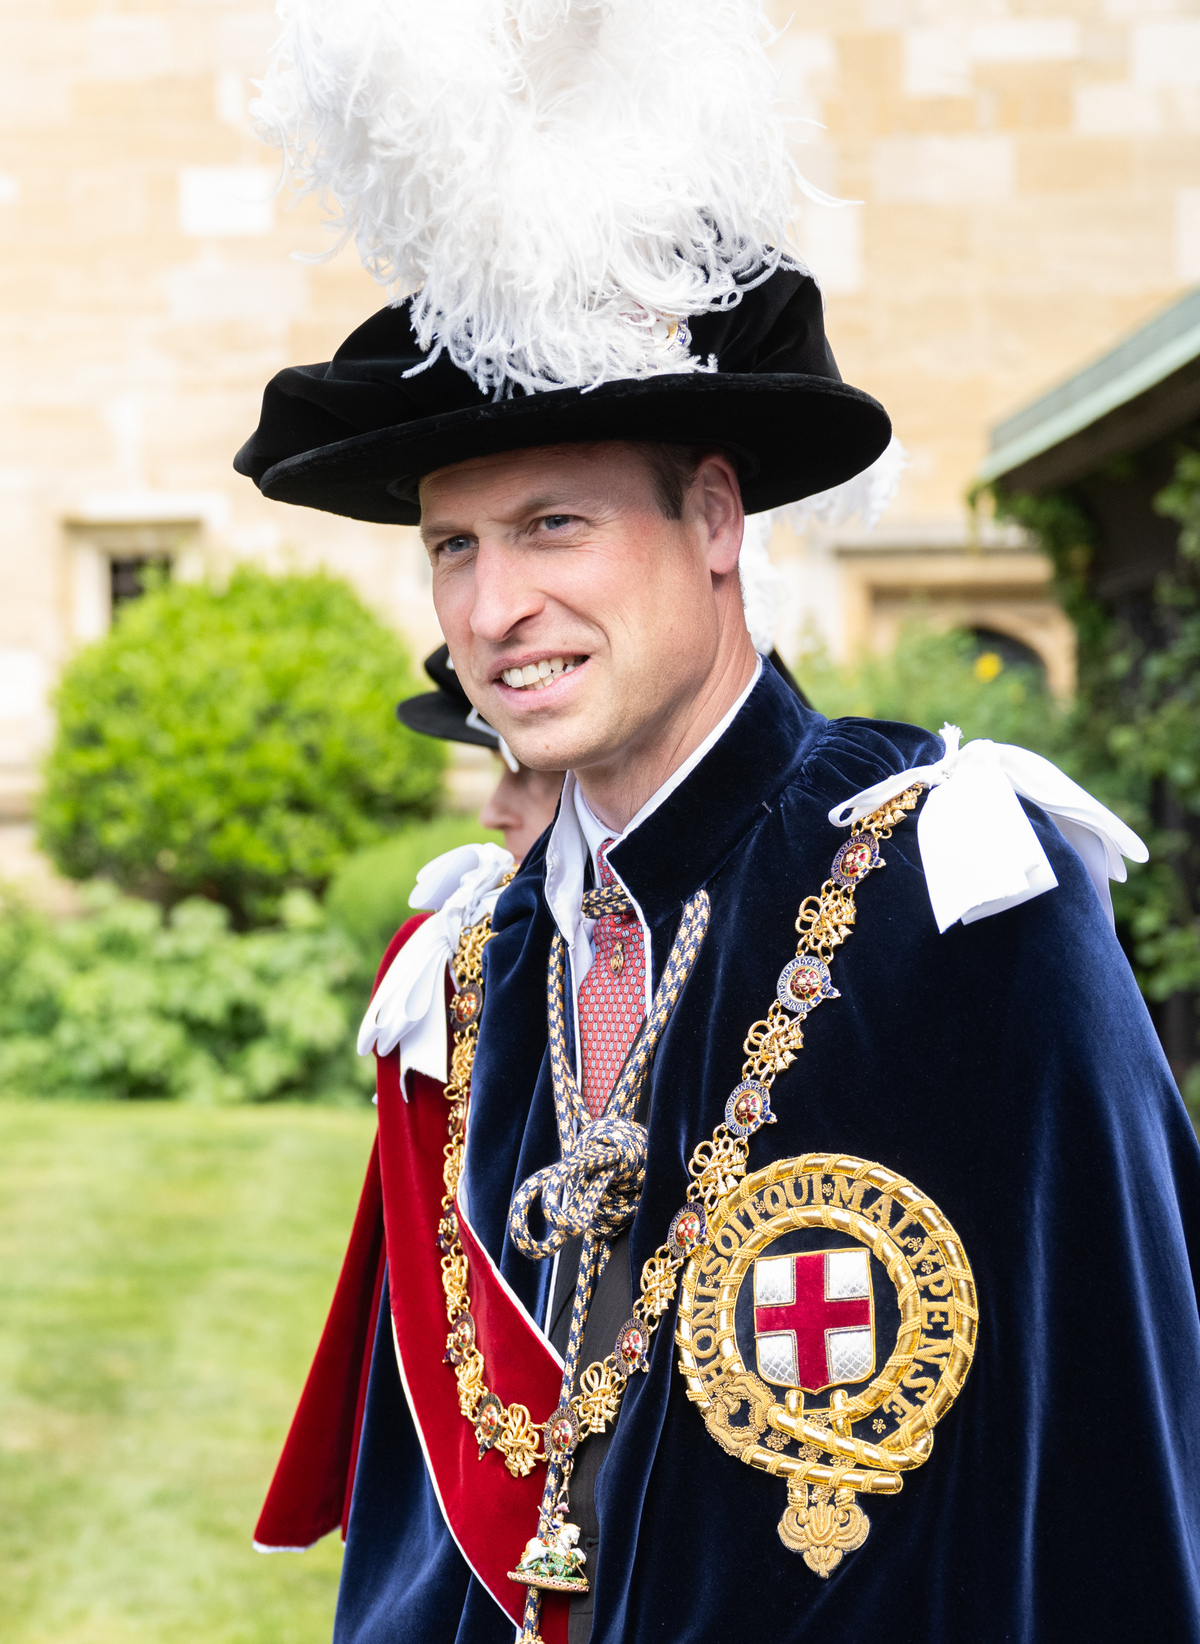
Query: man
column 740, row 1221
column 523, row 802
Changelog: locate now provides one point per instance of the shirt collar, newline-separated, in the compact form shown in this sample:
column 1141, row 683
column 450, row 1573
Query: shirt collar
column 578, row 833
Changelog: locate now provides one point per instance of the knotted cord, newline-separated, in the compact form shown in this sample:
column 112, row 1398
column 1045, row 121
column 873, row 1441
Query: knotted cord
column 606, row 899
column 595, row 1187
column 598, row 1181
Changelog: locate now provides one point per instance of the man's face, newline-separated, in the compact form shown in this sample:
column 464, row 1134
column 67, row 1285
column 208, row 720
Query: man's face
column 581, row 621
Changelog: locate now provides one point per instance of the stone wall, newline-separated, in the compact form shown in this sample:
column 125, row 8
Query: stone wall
column 1030, row 187
column 148, row 289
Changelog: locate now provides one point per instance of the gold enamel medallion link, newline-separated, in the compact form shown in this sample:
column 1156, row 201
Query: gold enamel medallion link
column 508, row 1428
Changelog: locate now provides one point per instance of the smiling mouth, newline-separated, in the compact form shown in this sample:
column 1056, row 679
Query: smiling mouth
column 534, row 676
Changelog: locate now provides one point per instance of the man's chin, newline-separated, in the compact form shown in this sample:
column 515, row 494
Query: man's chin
column 551, row 753
column 557, row 744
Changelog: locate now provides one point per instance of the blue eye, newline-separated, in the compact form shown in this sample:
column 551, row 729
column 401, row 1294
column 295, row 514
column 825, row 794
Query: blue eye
column 556, row 522
column 458, row 545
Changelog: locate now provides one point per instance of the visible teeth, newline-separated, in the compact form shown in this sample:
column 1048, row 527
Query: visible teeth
column 537, row 675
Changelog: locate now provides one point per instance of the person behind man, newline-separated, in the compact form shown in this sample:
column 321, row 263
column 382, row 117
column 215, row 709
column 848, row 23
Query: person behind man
column 789, row 1236
column 521, row 806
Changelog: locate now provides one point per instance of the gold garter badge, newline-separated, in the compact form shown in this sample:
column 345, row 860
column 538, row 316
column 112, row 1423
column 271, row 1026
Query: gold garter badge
column 810, row 1272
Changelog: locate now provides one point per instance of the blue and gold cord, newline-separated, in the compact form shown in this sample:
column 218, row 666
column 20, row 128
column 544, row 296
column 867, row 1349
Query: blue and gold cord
column 594, row 1189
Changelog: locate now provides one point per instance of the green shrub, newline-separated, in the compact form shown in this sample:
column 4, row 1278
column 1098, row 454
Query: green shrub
column 932, row 677
column 233, row 744
column 127, row 1002
column 368, row 895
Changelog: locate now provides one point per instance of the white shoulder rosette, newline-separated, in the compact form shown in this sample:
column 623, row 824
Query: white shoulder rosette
column 408, row 1008
column 978, row 848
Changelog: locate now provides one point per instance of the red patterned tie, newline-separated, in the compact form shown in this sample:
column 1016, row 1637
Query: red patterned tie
column 612, row 997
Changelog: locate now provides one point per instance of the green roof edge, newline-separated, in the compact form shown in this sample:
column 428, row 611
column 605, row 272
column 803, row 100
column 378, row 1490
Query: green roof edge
column 1118, row 377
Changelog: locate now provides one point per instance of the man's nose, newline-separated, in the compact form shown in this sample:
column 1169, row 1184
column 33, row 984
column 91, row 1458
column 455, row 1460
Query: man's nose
column 503, row 595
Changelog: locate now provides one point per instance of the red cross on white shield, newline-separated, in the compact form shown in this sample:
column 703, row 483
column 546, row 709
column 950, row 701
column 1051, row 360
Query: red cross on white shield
column 814, row 1318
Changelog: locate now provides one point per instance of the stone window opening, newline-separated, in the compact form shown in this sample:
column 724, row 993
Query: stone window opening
column 113, row 562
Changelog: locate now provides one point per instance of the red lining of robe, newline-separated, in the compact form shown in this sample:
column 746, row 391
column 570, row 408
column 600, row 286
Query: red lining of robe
column 491, row 1515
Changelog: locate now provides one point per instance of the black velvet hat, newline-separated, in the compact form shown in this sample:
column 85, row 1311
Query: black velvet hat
column 355, row 435
column 445, row 713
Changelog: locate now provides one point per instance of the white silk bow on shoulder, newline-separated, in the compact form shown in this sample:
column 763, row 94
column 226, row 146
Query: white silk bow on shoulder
column 408, row 1008
column 978, row 848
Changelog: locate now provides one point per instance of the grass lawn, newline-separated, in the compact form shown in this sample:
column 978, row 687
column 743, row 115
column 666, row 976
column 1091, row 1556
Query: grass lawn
column 164, row 1275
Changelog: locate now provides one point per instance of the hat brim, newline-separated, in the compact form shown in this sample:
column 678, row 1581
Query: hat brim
column 792, row 435
column 434, row 715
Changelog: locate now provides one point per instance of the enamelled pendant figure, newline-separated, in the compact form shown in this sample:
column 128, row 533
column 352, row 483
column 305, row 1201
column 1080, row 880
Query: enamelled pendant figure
column 814, row 1270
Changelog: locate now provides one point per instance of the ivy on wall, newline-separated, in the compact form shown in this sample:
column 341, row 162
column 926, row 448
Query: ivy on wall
column 1135, row 730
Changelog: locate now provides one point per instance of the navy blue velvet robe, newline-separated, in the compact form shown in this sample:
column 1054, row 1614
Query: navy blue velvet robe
column 1009, row 1069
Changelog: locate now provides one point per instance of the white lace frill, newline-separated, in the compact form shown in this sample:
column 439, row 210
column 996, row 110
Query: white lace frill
column 408, row 1008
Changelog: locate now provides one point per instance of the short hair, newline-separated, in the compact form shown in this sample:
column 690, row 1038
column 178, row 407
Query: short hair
column 672, row 470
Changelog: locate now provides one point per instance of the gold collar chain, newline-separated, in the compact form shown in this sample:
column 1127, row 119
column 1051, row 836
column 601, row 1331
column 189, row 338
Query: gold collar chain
column 824, row 921
column 716, row 1167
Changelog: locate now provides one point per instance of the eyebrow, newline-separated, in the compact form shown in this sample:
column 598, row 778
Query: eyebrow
column 549, row 502
column 437, row 528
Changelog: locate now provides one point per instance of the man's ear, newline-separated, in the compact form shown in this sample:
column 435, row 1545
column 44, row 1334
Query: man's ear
column 717, row 496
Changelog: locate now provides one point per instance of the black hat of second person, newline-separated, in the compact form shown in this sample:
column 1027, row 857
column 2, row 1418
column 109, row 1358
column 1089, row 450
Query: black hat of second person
column 355, row 436
column 445, row 713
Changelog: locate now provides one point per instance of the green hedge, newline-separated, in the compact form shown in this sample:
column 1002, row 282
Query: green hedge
column 1133, row 735
column 932, row 676
column 368, row 895
column 127, row 1002
column 234, row 744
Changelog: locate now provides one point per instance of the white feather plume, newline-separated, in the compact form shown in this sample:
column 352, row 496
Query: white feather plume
column 764, row 586
column 559, row 181
column 865, row 496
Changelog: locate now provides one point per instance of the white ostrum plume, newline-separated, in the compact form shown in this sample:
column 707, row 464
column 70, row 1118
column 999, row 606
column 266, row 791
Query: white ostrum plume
column 558, row 204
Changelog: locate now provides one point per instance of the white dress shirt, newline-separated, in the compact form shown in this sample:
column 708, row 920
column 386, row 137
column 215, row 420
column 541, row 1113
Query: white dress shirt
column 578, row 833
